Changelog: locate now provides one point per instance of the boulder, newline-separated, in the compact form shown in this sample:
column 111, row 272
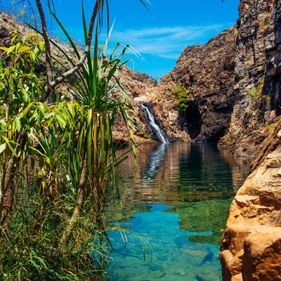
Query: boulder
column 251, row 243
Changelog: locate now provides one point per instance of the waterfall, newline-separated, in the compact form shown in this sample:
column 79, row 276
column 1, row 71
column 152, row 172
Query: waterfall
column 153, row 124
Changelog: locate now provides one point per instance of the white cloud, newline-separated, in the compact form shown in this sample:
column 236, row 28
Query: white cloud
column 165, row 42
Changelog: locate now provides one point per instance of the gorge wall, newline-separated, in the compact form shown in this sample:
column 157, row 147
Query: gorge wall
column 202, row 80
column 257, row 76
column 207, row 75
column 251, row 244
column 232, row 84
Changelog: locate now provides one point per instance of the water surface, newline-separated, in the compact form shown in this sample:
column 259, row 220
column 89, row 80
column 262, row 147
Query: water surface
column 174, row 201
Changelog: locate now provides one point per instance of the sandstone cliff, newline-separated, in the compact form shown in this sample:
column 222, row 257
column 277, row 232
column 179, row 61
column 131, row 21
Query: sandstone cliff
column 207, row 74
column 257, row 76
column 232, row 83
column 203, row 77
column 251, row 244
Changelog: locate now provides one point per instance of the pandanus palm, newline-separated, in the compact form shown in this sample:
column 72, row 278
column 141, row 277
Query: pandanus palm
column 100, row 98
column 84, row 125
column 69, row 139
column 95, row 20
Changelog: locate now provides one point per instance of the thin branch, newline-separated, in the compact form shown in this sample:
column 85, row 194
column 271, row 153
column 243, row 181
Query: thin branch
column 68, row 73
column 92, row 24
column 47, row 44
column 71, row 71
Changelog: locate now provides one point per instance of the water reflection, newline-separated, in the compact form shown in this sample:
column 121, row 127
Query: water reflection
column 154, row 162
column 173, row 206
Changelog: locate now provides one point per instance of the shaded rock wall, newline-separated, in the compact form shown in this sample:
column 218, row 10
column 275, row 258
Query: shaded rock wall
column 256, row 76
column 272, row 85
column 207, row 74
column 251, row 244
column 234, row 80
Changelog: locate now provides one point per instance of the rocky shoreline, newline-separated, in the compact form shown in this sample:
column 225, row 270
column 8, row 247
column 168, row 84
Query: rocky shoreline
column 251, row 243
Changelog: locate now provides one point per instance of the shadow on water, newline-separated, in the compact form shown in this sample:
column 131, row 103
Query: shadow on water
column 173, row 206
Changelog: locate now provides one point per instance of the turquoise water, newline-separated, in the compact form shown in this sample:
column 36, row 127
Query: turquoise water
column 174, row 202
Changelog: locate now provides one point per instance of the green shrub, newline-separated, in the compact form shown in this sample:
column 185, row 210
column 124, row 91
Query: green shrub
column 27, row 254
column 53, row 226
column 183, row 97
column 257, row 93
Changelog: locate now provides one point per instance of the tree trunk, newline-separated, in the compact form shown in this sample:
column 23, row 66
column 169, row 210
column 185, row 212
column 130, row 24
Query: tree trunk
column 8, row 190
column 79, row 203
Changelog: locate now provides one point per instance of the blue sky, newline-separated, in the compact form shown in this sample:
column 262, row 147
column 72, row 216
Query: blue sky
column 160, row 33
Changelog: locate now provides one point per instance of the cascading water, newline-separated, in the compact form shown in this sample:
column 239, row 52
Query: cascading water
column 153, row 124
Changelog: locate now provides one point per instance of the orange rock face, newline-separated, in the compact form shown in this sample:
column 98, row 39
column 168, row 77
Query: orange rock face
column 251, row 244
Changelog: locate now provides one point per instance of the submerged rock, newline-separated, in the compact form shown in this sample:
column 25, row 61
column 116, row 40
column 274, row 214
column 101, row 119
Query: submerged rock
column 208, row 258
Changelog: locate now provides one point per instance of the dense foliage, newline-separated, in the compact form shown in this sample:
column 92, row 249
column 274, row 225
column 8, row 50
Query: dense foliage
column 57, row 158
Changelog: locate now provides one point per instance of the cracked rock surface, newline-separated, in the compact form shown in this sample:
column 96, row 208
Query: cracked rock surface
column 251, row 244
